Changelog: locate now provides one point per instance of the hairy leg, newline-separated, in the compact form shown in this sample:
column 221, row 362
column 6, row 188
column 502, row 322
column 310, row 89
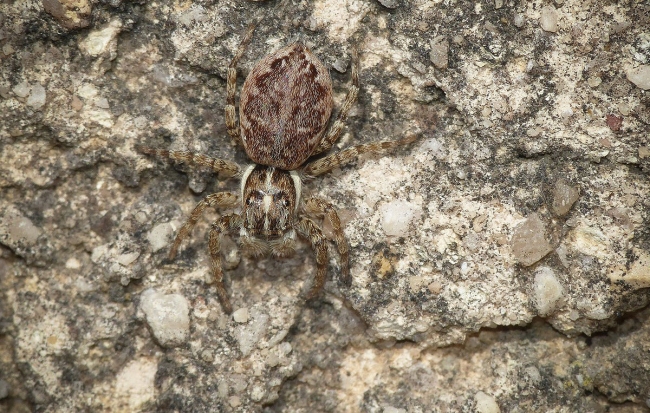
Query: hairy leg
column 224, row 225
column 330, row 162
column 335, row 131
column 218, row 200
column 231, row 87
column 220, row 166
column 320, row 206
column 307, row 229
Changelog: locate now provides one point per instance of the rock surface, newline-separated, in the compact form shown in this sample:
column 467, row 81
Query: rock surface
column 502, row 259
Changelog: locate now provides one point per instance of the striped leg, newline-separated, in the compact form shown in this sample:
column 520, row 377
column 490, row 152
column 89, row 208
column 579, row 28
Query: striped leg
column 232, row 123
column 335, row 131
column 219, row 200
column 330, row 162
column 224, row 225
column 220, row 166
column 320, row 206
column 307, row 229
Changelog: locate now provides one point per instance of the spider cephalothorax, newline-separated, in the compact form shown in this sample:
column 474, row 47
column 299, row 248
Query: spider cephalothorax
column 285, row 106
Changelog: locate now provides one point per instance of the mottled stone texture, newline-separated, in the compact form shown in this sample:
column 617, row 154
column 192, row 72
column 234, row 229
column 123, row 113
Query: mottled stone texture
column 516, row 280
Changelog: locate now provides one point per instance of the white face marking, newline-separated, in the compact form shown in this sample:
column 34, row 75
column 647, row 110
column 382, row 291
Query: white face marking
column 297, row 184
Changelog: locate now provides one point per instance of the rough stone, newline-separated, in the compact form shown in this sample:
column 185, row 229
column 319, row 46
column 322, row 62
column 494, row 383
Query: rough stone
column 547, row 291
column 548, row 19
column 640, row 76
column 445, row 303
column 564, row 196
column 167, row 315
column 529, row 243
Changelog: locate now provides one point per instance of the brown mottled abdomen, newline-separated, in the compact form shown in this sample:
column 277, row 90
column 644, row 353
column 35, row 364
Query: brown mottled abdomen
column 286, row 102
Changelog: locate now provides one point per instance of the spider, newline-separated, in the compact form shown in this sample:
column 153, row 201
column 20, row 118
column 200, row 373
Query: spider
column 285, row 107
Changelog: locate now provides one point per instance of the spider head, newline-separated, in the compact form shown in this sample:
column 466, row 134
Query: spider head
column 270, row 198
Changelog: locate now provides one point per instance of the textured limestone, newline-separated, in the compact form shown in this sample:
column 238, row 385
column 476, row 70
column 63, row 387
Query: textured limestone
column 529, row 114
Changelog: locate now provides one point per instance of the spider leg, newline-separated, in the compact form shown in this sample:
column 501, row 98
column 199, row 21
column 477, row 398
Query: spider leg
column 321, row 206
column 224, row 225
column 335, row 131
column 307, row 229
column 330, row 162
column 232, row 123
column 216, row 165
column 219, row 200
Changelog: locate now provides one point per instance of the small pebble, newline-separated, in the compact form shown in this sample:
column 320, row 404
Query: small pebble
column 391, row 4
column 644, row 152
column 640, row 76
column 160, row 236
column 594, row 81
column 529, row 243
column 396, row 217
column 486, row 403
column 7, row 49
column 241, row 315
column 547, row 291
column 37, row 97
column 234, row 401
column 439, row 54
column 548, row 19
column 519, row 20
column 168, row 316
column 22, row 89
column 564, row 196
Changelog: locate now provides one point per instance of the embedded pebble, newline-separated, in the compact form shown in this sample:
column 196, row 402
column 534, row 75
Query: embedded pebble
column 439, row 54
column 167, row 315
column 529, row 243
column 396, row 217
column 486, row 403
column 391, row 4
column 564, row 196
column 135, row 382
column 241, row 315
column 547, row 291
column 37, row 97
column 160, row 236
column 519, row 20
column 548, row 19
column 102, row 41
column 250, row 334
column 640, row 76
column 16, row 230
column 594, row 81
column 21, row 89
column 128, row 258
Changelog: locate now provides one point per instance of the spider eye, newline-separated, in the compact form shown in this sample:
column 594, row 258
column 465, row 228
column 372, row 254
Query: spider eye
column 249, row 201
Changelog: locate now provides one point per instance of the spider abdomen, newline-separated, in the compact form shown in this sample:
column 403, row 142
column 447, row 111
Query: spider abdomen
column 285, row 105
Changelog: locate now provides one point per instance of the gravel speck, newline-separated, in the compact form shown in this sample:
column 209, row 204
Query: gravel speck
column 241, row 315
column 547, row 291
column 439, row 54
column 167, row 316
column 160, row 236
column 640, row 76
column 529, row 243
column 548, row 19
column 486, row 403
column 564, row 196
column 396, row 217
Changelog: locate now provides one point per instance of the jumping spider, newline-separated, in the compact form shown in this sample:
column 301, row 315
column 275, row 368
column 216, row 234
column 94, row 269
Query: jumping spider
column 285, row 106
